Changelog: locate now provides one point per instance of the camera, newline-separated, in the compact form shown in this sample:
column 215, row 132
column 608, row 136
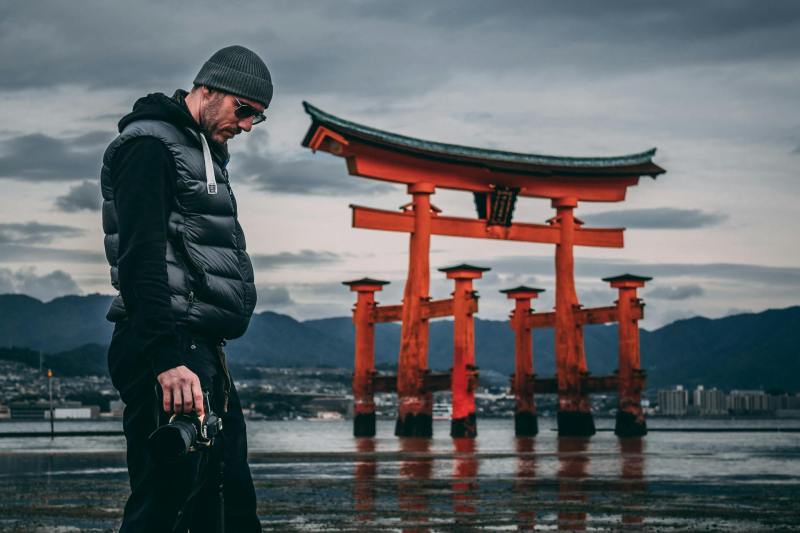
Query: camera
column 185, row 433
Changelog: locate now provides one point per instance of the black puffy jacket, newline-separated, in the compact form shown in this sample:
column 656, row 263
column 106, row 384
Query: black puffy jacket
column 210, row 275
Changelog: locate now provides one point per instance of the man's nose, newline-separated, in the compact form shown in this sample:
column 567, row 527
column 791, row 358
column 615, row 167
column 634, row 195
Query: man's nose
column 246, row 124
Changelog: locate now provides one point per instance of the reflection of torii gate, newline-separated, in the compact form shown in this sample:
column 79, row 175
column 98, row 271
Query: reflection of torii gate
column 496, row 179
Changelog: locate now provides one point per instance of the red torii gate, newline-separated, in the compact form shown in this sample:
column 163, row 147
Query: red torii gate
column 496, row 179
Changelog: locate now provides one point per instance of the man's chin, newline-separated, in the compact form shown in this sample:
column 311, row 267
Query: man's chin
column 220, row 139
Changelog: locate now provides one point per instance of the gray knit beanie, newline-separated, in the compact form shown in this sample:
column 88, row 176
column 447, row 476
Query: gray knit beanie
column 239, row 71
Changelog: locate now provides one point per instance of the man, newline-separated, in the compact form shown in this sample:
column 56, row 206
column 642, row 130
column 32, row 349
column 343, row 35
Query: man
column 178, row 258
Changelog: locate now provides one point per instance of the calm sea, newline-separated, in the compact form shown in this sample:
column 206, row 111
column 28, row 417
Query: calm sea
column 314, row 476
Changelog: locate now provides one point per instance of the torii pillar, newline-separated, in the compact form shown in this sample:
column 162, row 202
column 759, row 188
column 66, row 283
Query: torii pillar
column 414, row 403
column 574, row 414
column 364, row 367
column 522, row 383
column 630, row 417
column 464, row 373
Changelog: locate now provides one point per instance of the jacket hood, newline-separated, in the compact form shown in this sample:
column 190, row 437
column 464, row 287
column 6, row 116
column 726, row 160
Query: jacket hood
column 158, row 106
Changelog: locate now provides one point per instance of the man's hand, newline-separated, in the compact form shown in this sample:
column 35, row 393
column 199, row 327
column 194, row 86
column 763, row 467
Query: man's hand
column 181, row 391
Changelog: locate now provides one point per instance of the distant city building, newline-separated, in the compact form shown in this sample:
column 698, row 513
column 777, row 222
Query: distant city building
column 697, row 396
column 783, row 402
column 84, row 412
column 673, row 402
column 709, row 402
column 714, row 402
column 38, row 410
column 28, row 410
column 322, row 406
column 748, row 401
column 787, row 405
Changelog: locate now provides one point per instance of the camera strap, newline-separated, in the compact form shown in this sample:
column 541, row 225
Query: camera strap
column 228, row 382
column 211, row 180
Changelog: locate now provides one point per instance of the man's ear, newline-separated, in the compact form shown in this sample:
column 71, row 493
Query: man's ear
column 205, row 92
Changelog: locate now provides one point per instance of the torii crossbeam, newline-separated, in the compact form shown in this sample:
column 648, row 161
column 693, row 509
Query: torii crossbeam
column 496, row 179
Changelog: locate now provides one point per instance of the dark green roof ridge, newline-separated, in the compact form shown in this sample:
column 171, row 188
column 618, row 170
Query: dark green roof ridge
column 324, row 118
column 365, row 281
column 627, row 277
column 522, row 288
column 464, row 266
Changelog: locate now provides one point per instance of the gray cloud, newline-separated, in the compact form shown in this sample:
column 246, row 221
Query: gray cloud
column 35, row 233
column 92, row 140
column 622, row 35
column 309, row 300
column 610, row 38
column 314, row 174
column 62, row 47
column 675, row 315
column 756, row 274
column 84, row 196
column 656, row 218
column 340, row 298
column 681, row 292
column 273, row 296
column 45, row 287
column 40, row 158
column 600, row 268
column 20, row 253
column 285, row 259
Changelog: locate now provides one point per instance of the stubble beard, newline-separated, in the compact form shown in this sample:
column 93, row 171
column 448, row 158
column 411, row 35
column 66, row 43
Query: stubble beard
column 209, row 118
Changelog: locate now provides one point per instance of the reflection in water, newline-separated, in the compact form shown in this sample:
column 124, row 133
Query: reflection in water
column 364, row 486
column 465, row 483
column 525, row 483
column 573, row 465
column 664, row 482
column 415, row 470
column 632, row 474
column 528, row 499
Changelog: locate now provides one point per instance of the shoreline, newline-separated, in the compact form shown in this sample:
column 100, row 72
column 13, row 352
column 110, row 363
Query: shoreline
column 119, row 433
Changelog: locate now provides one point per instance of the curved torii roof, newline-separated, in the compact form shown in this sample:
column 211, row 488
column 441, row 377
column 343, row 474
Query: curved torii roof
column 481, row 168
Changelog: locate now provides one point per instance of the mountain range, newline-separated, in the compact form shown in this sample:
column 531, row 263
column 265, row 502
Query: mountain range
column 753, row 350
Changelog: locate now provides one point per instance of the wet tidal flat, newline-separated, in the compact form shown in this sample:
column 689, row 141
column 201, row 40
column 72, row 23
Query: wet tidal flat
column 314, row 476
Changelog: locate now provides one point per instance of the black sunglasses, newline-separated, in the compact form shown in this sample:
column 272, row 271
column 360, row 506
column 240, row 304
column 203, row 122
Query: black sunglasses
column 243, row 111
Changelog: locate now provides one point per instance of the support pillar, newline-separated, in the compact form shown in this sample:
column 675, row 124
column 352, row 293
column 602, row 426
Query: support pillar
column 573, row 469
column 574, row 411
column 630, row 417
column 416, row 471
column 465, row 483
column 364, row 366
column 415, row 405
column 525, row 422
column 463, row 379
column 525, row 482
column 632, row 484
column 366, row 470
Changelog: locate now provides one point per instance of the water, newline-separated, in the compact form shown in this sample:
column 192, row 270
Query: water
column 314, row 476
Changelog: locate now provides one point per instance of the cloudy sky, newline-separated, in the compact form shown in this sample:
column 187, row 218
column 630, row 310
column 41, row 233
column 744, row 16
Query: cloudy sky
column 713, row 85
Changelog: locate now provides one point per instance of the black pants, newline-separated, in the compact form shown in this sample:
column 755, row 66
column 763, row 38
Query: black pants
column 183, row 494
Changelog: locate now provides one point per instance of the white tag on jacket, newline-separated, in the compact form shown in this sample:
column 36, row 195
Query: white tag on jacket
column 211, row 180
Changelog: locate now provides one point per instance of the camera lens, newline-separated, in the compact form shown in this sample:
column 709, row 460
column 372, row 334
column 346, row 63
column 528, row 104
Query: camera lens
column 170, row 441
